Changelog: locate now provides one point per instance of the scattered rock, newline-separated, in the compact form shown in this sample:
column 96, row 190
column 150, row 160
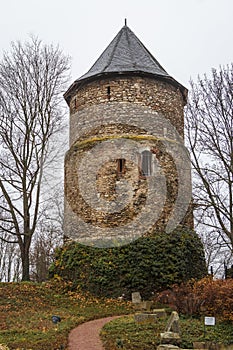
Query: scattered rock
column 161, row 313
column 173, row 323
column 172, row 331
column 136, row 298
column 145, row 318
column 167, row 347
column 170, row 338
column 144, row 306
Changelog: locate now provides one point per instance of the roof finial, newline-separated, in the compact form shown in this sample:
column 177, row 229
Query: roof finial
column 125, row 21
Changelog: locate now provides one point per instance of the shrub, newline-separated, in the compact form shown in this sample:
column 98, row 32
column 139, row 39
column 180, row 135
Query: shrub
column 207, row 296
column 146, row 265
column 183, row 298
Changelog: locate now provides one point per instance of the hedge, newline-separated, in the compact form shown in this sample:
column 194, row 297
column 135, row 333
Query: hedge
column 147, row 265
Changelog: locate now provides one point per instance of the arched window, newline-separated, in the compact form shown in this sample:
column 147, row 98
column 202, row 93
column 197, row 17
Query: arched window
column 146, row 163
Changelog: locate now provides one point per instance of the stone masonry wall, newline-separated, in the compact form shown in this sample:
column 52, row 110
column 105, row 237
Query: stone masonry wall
column 145, row 112
column 157, row 95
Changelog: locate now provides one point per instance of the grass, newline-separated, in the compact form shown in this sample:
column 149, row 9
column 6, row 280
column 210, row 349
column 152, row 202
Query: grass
column 26, row 311
column 125, row 334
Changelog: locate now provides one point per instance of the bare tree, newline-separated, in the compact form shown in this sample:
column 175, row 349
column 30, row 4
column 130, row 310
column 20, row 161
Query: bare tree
column 218, row 254
column 42, row 253
column 33, row 77
column 48, row 236
column 210, row 136
column 9, row 262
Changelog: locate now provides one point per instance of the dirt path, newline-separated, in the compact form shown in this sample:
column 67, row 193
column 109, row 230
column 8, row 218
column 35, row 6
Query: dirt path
column 86, row 336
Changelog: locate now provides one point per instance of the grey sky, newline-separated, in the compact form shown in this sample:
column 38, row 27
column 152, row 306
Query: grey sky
column 186, row 36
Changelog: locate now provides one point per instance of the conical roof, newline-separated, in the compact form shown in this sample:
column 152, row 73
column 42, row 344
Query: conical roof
column 125, row 55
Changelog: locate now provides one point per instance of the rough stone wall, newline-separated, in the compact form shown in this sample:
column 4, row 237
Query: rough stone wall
column 157, row 95
column 146, row 112
column 106, row 180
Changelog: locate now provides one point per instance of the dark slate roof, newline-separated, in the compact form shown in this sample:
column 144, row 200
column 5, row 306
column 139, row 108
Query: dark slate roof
column 125, row 55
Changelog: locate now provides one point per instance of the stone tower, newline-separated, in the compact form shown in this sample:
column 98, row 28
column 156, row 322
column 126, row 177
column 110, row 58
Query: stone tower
column 127, row 171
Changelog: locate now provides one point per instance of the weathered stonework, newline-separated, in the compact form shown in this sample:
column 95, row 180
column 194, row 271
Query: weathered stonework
column 159, row 96
column 128, row 117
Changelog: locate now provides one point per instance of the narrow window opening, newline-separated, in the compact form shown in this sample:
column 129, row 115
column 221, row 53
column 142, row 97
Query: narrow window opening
column 146, row 163
column 109, row 92
column 75, row 103
column 120, row 166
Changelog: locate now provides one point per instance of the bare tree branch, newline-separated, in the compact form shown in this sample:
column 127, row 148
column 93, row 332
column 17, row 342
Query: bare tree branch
column 33, row 77
column 209, row 132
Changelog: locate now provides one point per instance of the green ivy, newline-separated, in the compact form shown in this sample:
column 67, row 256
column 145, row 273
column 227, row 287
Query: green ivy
column 147, row 265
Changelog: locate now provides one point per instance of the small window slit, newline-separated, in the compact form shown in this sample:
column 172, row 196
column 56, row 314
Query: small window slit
column 109, row 92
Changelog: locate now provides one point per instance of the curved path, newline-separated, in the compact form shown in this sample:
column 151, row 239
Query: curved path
column 86, row 335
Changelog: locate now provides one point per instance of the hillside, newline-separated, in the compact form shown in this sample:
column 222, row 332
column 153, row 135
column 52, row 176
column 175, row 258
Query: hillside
column 26, row 311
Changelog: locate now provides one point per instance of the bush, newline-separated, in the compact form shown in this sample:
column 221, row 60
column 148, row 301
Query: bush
column 207, row 296
column 146, row 265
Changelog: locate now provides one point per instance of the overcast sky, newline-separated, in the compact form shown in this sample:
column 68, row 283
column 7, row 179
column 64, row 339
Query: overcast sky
column 187, row 37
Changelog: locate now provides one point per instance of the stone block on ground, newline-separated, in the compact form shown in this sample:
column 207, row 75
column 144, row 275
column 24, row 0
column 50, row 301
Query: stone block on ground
column 145, row 318
column 167, row 347
column 136, row 298
column 161, row 313
column 144, row 305
column 170, row 338
column 173, row 323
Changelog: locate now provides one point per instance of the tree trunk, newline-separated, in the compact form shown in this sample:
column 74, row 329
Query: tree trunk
column 25, row 259
column 25, row 268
